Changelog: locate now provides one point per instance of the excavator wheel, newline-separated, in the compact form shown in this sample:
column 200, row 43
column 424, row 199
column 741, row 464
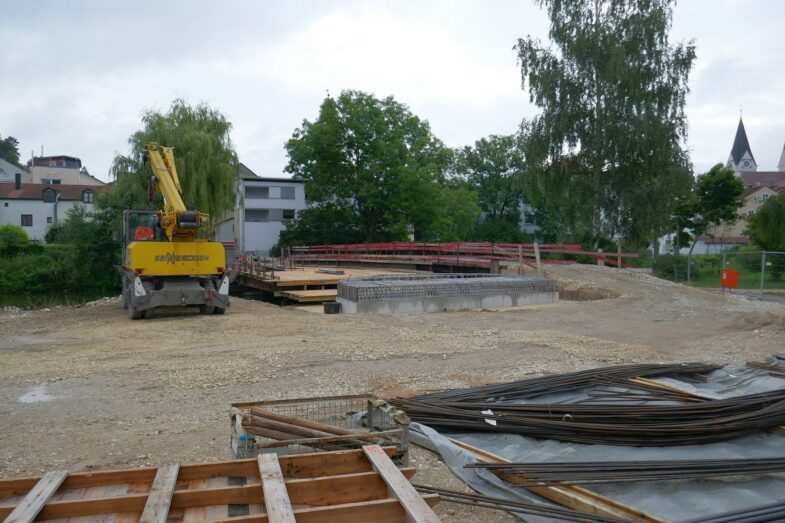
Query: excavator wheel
column 206, row 309
column 135, row 314
column 219, row 310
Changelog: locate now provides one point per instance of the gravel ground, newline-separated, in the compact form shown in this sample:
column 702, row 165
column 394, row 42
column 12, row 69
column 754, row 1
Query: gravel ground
column 85, row 388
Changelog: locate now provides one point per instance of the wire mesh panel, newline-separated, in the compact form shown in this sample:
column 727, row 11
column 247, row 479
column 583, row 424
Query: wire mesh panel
column 362, row 419
column 391, row 287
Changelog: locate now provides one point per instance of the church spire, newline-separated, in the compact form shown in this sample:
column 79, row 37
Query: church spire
column 781, row 165
column 741, row 158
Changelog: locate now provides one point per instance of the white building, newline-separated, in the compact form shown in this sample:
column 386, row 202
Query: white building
column 10, row 173
column 36, row 206
column 263, row 204
column 66, row 170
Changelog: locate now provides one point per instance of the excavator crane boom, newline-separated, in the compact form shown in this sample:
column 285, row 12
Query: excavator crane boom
column 177, row 222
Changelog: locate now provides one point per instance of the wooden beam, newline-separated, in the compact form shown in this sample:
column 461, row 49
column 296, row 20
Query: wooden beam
column 276, row 499
column 327, row 490
column 417, row 510
column 309, row 465
column 27, row 509
column 572, row 496
column 156, row 510
column 388, row 510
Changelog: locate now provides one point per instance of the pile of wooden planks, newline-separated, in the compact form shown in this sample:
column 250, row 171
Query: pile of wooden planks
column 345, row 486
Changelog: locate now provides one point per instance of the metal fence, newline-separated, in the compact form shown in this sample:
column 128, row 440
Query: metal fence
column 761, row 274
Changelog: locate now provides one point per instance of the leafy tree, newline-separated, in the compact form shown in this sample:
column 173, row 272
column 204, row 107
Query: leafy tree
column 206, row 162
column 9, row 150
column 13, row 241
column 608, row 143
column 494, row 168
column 767, row 229
column 92, row 250
column 373, row 162
column 715, row 199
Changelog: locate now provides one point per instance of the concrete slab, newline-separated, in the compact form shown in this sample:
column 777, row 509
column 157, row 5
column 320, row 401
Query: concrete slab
column 411, row 294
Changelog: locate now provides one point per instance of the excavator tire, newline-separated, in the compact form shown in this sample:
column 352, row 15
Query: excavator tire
column 219, row 310
column 135, row 314
column 206, row 309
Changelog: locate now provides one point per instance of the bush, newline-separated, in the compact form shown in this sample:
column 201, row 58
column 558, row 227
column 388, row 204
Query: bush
column 13, row 241
column 671, row 267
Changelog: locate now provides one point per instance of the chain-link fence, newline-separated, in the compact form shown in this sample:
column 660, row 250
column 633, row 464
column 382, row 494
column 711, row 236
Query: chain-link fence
column 758, row 274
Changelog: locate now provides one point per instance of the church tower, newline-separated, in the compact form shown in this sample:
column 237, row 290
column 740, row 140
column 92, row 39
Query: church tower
column 741, row 159
column 781, row 165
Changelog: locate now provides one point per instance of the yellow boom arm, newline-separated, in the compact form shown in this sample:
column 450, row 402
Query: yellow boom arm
column 177, row 222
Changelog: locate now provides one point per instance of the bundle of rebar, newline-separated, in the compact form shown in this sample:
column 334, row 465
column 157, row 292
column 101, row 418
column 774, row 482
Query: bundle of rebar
column 583, row 473
column 534, row 387
column 517, row 506
column 770, row 513
column 291, row 430
column 598, row 422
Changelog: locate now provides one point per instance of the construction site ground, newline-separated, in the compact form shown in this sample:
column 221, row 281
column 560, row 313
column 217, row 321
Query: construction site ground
column 86, row 388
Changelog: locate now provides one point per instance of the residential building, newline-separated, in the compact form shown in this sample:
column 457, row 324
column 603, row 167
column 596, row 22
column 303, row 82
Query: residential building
column 66, row 170
column 9, row 173
column 263, row 205
column 36, row 207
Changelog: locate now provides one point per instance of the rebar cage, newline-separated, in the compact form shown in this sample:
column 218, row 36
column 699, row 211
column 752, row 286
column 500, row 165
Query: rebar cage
column 367, row 416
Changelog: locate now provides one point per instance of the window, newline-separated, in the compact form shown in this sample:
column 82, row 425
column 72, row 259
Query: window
column 48, row 219
column 257, row 193
column 87, row 196
column 288, row 214
column 56, row 182
column 287, row 193
column 46, row 180
column 6, row 204
column 49, row 195
column 750, row 212
column 765, row 197
column 257, row 215
column 27, row 220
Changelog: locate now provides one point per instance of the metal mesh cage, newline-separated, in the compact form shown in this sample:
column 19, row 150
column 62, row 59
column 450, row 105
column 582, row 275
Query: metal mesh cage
column 371, row 421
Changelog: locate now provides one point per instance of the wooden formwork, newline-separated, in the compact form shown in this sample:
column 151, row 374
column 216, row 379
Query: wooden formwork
column 342, row 486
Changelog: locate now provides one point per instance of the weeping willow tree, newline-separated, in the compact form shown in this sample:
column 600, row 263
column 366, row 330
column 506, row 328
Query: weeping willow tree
column 206, row 162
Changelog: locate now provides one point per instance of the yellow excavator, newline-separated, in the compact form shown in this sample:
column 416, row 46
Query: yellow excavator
column 167, row 259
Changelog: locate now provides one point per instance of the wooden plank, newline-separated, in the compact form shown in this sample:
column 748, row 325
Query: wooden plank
column 572, row 496
column 307, row 465
column 326, row 490
column 27, row 510
column 309, row 296
column 388, row 510
column 417, row 510
column 276, row 499
column 156, row 510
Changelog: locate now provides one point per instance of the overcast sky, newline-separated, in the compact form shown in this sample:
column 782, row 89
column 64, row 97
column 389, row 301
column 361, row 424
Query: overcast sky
column 76, row 76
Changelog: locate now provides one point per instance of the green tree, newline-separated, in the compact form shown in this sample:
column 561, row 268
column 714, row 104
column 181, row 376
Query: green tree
column 612, row 92
column 91, row 249
column 206, row 162
column 9, row 150
column 375, row 163
column 13, row 241
column 715, row 199
column 767, row 225
column 767, row 229
column 494, row 168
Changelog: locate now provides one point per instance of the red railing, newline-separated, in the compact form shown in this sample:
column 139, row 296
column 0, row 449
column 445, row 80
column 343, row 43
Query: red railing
column 453, row 253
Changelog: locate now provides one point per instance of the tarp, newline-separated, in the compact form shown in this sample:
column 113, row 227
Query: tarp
column 670, row 500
